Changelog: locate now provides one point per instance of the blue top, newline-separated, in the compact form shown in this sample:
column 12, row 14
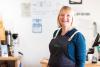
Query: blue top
column 76, row 49
column 77, row 53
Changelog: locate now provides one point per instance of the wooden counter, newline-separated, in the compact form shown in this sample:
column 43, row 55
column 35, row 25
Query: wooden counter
column 89, row 64
column 44, row 63
column 10, row 58
column 92, row 65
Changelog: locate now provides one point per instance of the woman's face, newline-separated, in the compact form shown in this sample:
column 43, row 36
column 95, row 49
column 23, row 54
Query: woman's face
column 65, row 18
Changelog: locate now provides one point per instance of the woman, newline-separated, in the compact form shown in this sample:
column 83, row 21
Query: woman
column 65, row 52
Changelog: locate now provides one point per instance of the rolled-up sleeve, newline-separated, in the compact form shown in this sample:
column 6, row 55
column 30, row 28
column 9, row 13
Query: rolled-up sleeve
column 80, row 50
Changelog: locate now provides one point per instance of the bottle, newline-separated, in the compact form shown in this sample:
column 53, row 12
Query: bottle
column 15, row 43
column 94, row 58
column 4, row 49
column 90, row 54
column 99, row 52
column 9, row 42
column 87, row 57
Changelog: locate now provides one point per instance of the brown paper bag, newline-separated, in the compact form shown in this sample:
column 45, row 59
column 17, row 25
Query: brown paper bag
column 2, row 31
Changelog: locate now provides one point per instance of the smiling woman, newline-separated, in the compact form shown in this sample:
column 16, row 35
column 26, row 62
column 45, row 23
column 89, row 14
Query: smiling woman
column 67, row 48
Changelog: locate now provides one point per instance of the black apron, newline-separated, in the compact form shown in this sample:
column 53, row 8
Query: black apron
column 58, row 53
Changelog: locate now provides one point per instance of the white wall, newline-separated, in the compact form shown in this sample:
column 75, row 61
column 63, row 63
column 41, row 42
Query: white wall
column 35, row 45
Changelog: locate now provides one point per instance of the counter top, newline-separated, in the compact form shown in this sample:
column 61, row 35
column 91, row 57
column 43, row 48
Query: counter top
column 44, row 63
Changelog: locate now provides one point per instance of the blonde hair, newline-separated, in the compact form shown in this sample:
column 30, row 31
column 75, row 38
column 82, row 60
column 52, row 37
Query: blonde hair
column 63, row 8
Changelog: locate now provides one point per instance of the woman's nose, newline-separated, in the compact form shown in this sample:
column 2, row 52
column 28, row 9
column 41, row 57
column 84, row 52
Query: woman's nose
column 65, row 17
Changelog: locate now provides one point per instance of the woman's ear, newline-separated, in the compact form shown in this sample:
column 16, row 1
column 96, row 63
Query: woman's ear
column 72, row 21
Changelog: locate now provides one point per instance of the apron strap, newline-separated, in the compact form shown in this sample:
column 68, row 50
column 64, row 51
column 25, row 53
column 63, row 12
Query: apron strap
column 72, row 35
column 69, row 39
column 56, row 33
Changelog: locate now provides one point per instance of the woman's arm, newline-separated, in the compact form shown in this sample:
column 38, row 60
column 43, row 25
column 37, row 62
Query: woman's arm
column 80, row 50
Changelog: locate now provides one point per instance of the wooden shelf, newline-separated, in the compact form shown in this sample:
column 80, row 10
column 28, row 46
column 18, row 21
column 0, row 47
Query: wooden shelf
column 11, row 58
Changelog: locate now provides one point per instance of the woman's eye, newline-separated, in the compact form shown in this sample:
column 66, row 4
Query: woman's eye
column 61, row 15
column 68, row 15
